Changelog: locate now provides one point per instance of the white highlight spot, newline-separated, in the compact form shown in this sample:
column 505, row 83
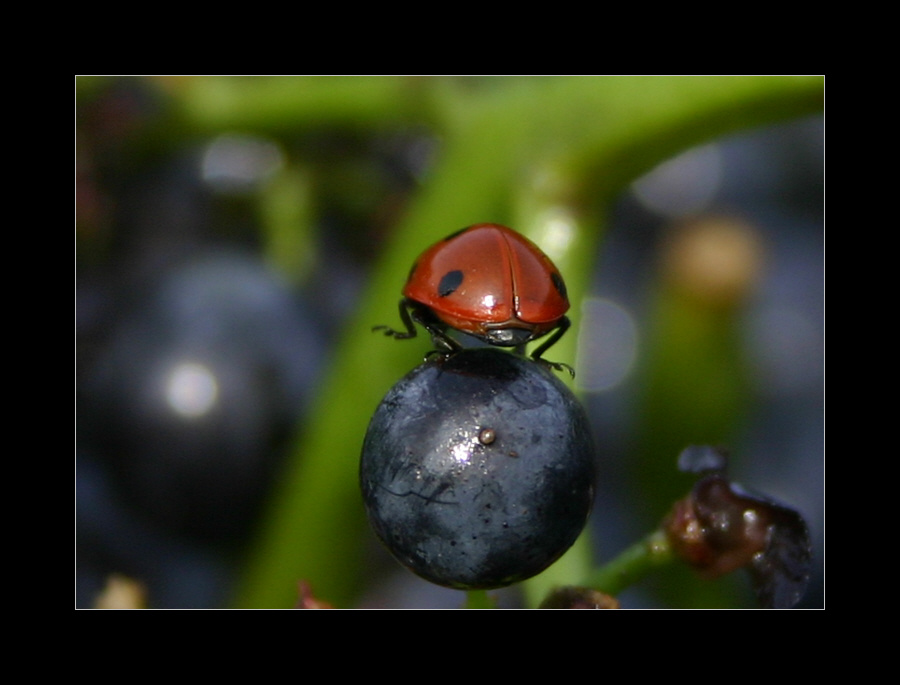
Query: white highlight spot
column 191, row 390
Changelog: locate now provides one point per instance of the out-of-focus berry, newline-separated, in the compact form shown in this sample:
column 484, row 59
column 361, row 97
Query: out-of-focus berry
column 572, row 597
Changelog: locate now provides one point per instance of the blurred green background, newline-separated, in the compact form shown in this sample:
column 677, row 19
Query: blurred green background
column 237, row 238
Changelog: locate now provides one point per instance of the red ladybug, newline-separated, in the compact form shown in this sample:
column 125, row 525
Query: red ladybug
column 489, row 282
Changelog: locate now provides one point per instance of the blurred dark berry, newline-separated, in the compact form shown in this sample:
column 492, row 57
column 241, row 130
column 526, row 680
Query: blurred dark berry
column 720, row 527
column 478, row 471
column 191, row 394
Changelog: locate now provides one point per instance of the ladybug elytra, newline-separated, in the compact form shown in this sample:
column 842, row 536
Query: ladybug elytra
column 489, row 282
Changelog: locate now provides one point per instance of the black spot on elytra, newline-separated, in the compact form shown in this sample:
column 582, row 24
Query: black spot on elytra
column 559, row 284
column 450, row 282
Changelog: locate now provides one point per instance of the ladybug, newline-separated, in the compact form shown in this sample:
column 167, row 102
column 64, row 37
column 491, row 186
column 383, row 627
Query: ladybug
column 489, row 282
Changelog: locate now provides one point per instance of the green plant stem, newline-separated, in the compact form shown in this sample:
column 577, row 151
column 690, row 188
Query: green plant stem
column 635, row 562
column 479, row 599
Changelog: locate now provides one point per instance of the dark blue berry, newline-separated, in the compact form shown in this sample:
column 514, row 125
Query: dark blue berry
column 477, row 470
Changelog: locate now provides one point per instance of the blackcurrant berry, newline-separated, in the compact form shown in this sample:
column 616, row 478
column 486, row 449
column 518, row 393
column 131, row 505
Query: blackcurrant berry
column 477, row 470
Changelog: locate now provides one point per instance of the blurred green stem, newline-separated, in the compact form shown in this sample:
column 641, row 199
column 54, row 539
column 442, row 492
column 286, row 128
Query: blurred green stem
column 479, row 599
column 632, row 564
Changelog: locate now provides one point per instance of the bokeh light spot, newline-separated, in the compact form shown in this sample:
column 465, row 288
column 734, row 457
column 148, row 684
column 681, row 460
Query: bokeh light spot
column 682, row 185
column 240, row 163
column 191, row 390
column 607, row 344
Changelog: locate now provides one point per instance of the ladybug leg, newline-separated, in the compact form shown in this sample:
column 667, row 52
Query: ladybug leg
column 444, row 343
column 563, row 326
column 410, row 315
column 410, row 331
